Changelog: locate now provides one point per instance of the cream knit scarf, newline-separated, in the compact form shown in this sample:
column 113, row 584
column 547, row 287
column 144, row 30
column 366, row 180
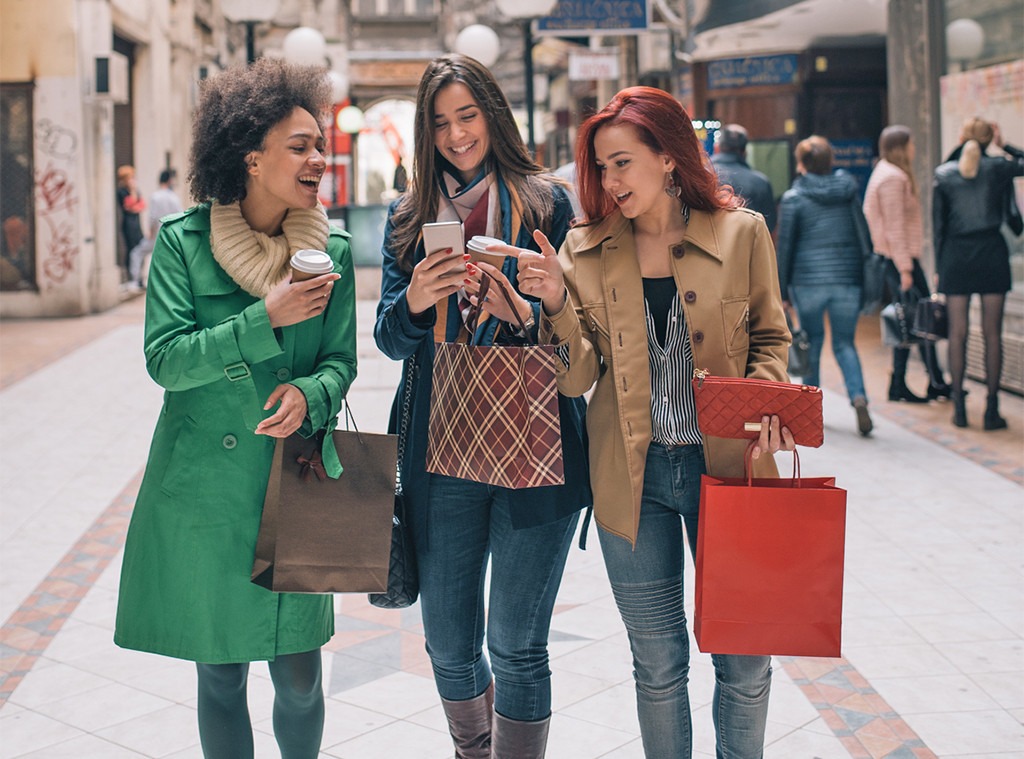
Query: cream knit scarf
column 254, row 260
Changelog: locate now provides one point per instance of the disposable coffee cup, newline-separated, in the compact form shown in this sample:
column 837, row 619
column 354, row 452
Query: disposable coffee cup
column 477, row 250
column 307, row 264
column 479, row 243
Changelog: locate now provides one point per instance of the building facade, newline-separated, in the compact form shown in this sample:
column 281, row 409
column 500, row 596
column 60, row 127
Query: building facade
column 89, row 85
column 76, row 78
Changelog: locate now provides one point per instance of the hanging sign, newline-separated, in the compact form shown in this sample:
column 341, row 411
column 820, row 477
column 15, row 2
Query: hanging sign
column 593, row 65
column 753, row 71
column 581, row 18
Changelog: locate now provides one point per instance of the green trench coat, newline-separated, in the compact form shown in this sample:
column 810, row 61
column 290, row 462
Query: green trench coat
column 185, row 589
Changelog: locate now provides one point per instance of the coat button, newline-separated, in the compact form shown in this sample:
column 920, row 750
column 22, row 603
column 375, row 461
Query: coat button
column 229, row 441
column 555, row 339
column 678, row 251
column 690, row 296
column 698, row 336
column 283, row 374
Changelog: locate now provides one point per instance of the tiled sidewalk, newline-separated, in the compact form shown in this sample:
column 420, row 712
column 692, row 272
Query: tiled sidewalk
column 934, row 606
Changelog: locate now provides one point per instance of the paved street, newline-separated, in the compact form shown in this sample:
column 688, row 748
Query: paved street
column 934, row 601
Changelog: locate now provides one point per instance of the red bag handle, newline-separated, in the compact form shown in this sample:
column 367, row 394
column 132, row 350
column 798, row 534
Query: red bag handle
column 748, row 469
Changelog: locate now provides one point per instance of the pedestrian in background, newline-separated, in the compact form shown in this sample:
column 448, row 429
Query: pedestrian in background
column 471, row 166
column 665, row 249
column 131, row 203
column 970, row 198
column 246, row 357
column 400, row 182
column 163, row 202
column 893, row 213
column 821, row 249
column 730, row 162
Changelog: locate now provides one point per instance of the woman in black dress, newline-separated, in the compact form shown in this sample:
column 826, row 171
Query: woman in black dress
column 970, row 196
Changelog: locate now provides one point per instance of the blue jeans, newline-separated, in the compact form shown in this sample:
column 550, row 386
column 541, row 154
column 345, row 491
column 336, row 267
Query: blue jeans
column 648, row 587
column 467, row 523
column 842, row 302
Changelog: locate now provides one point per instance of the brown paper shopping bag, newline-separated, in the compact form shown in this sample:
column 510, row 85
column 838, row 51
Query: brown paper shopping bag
column 320, row 534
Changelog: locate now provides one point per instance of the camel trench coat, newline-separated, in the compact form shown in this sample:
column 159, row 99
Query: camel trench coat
column 725, row 273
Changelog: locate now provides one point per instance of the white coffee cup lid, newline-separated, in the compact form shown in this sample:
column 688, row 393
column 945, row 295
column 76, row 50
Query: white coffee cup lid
column 312, row 261
column 478, row 244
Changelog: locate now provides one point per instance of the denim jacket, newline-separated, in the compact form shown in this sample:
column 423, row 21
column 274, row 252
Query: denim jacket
column 412, row 341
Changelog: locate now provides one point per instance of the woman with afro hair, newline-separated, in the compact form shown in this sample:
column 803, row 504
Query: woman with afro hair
column 246, row 357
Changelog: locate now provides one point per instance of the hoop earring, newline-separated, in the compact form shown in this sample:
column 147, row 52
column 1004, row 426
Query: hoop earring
column 671, row 188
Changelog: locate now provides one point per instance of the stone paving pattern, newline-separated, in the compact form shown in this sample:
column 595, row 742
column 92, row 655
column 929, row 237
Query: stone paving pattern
column 934, row 603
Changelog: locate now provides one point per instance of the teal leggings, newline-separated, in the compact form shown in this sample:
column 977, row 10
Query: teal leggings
column 225, row 731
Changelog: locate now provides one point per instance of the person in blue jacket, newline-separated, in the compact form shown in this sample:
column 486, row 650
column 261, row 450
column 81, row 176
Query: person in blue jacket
column 823, row 238
column 471, row 166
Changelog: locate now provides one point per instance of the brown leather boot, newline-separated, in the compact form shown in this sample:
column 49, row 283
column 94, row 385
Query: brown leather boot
column 469, row 722
column 512, row 739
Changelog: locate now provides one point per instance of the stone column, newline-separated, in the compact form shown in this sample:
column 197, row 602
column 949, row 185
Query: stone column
column 916, row 59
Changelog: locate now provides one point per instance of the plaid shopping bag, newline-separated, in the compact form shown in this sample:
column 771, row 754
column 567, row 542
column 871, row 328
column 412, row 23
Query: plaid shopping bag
column 494, row 414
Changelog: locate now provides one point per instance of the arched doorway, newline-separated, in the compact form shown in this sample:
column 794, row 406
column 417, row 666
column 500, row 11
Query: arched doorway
column 385, row 140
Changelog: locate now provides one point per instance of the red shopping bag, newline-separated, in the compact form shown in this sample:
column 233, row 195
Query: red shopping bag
column 769, row 566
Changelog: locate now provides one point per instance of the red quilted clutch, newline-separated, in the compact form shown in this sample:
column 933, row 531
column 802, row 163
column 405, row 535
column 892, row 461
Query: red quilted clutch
column 732, row 407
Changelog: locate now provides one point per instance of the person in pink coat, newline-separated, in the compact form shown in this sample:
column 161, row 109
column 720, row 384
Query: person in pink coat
column 893, row 211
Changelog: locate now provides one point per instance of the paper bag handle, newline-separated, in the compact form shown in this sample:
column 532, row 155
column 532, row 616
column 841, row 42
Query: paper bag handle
column 471, row 320
column 748, row 469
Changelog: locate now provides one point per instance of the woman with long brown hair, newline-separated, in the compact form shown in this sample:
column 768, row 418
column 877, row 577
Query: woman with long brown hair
column 471, row 166
column 893, row 212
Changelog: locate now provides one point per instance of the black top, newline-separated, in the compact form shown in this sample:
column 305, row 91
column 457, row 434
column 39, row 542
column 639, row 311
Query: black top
column 659, row 292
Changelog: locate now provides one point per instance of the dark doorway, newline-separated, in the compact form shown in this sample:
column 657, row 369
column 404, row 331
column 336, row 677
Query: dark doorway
column 124, row 140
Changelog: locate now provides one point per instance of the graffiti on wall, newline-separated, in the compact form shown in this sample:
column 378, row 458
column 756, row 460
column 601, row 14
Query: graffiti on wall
column 56, row 199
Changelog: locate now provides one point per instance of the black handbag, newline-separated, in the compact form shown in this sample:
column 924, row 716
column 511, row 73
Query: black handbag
column 873, row 296
column 799, row 350
column 898, row 322
column 930, row 321
column 403, row 586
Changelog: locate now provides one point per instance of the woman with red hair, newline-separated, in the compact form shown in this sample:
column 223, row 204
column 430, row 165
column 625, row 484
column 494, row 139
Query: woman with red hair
column 668, row 275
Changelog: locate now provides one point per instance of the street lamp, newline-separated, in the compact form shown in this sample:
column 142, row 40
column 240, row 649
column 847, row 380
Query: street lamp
column 965, row 39
column 527, row 11
column 250, row 13
column 305, row 46
column 339, row 94
column 351, row 121
column 479, row 42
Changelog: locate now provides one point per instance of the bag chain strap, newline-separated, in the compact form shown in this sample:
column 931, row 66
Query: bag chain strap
column 403, row 429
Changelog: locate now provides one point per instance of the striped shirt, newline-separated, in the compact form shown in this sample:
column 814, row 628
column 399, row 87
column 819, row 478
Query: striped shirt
column 673, row 409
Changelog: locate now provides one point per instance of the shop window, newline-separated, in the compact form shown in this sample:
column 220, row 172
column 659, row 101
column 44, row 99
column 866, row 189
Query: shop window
column 17, row 212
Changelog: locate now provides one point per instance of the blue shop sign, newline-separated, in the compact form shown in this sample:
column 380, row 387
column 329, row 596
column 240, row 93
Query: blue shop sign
column 754, row 71
column 572, row 18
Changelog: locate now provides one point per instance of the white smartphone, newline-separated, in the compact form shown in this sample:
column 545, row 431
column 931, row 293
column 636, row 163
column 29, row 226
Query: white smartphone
column 439, row 235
